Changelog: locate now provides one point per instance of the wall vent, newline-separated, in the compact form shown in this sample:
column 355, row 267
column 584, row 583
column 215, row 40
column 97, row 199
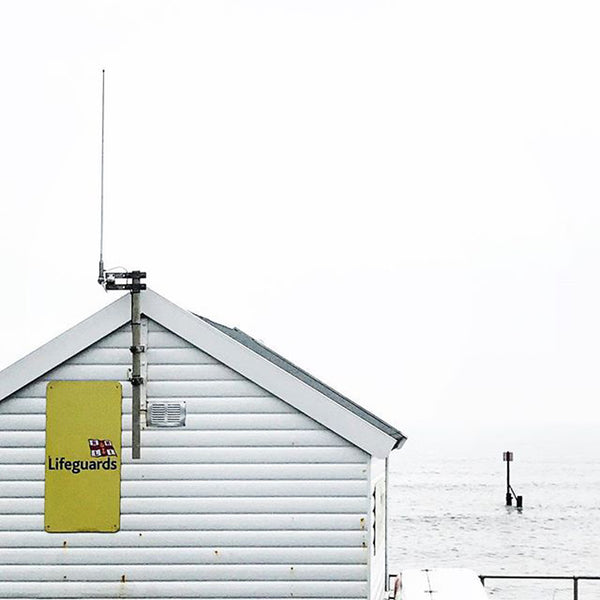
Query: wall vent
column 166, row 414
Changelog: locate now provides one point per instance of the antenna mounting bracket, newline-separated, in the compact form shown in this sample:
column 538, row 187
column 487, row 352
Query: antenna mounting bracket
column 133, row 281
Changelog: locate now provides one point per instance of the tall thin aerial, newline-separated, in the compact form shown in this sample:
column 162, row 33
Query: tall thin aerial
column 101, row 263
column 133, row 284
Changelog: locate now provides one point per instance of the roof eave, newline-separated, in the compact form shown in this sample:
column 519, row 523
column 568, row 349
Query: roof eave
column 64, row 346
column 267, row 375
column 400, row 441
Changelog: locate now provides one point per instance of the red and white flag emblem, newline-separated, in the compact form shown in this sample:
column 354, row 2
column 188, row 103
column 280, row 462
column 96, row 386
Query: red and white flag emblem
column 102, row 448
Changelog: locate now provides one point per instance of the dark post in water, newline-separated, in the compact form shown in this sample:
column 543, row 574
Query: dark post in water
column 508, row 458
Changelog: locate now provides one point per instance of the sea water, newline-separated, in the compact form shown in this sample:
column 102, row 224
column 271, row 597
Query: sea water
column 447, row 508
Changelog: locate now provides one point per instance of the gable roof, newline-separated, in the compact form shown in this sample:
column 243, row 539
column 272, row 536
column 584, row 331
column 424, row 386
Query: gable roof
column 292, row 369
column 232, row 347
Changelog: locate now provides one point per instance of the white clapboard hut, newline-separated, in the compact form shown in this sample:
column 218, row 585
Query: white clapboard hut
column 265, row 483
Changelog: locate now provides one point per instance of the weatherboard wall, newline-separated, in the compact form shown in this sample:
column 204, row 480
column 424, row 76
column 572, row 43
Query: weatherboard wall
column 378, row 527
column 251, row 499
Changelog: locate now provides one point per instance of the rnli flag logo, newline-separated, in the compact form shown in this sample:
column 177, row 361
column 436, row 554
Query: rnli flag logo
column 102, row 448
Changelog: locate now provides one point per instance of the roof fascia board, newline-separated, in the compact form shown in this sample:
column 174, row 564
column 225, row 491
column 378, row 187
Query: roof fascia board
column 267, row 375
column 64, row 346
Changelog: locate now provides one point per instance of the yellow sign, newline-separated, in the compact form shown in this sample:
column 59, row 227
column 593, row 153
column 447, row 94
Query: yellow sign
column 83, row 456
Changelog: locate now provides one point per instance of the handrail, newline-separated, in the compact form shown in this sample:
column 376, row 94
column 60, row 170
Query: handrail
column 574, row 578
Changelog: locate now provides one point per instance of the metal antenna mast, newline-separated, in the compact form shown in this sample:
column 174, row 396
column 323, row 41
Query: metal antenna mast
column 133, row 283
column 101, row 263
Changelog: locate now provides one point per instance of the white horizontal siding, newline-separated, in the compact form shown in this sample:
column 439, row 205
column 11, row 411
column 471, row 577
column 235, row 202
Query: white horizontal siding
column 136, row 471
column 229, row 506
column 156, row 340
column 211, row 372
column 208, row 522
column 187, row 589
column 205, row 405
column 171, row 437
column 180, row 572
column 167, row 389
column 207, row 488
column 105, row 555
column 191, row 539
column 250, row 499
column 194, row 421
column 156, row 356
column 167, row 455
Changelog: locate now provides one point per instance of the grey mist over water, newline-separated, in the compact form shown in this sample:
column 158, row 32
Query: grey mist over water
column 447, row 508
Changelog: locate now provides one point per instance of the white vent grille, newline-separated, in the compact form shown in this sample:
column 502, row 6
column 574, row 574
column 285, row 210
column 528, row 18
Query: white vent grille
column 166, row 414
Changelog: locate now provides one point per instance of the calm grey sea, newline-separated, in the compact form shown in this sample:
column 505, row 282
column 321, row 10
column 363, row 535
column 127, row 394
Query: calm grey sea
column 447, row 509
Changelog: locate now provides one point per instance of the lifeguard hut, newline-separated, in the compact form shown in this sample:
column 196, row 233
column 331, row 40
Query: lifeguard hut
column 254, row 479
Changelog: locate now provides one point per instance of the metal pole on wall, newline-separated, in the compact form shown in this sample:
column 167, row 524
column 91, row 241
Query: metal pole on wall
column 137, row 380
column 138, row 388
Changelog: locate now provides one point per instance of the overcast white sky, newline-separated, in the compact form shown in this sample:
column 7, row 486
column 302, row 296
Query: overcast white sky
column 400, row 196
